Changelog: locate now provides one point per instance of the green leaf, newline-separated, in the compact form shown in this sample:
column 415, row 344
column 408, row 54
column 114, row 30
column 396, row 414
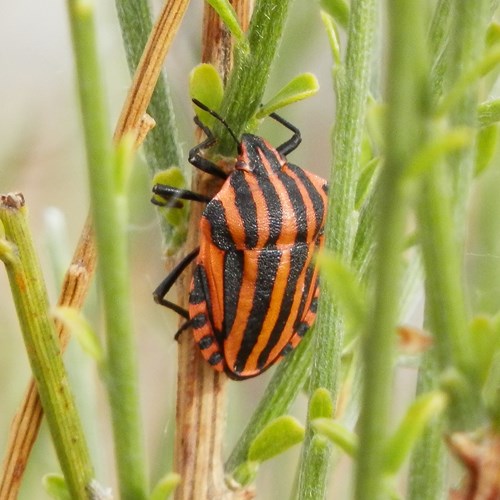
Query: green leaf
column 418, row 415
column 80, row 328
column 301, row 87
column 176, row 214
column 489, row 112
column 435, row 149
column 487, row 63
column 205, row 84
column 493, row 34
column 279, row 435
column 366, row 181
column 486, row 146
column 165, row 486
column 345, row 286
column 485, row 340
column 337, row 434
column 491, row 390
column 56, row 487
column 338, row 9
column 332, row 38
column 243, row 475
column 321, row 404
column 228, row 16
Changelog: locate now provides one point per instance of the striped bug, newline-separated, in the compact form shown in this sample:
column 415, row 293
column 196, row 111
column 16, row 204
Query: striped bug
column 254, row 289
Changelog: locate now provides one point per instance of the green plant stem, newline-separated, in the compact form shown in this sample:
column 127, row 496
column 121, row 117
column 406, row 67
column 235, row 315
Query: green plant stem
column 340, row 229
column 427, row 466
column 110, row 227
column 161, row 145
column 246, row 84
column 406, row 96
column 466, row 47
column 443, row 241
column 280, row 393
column 32, row 305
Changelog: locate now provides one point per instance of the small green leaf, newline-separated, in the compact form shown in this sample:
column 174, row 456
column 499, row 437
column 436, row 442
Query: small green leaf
column 176, row 214
column 366, row 181
column 243, row 475
column 431, row 152
column 7, row 249
column 489, row 112
column 321, row 404
column 487, row 63
column 165, row 486
column 345, row 286
column 493, row 34
column 418, row 415
column 332, row 38
column 486, row 146
column 491, row 390
column 80, row 328
column 55, row 486
column 205, row 84
column 485, row 340
column 338, row 9
column 301, row 87
column 228, row 16
column 279, row 435
column 337, row 434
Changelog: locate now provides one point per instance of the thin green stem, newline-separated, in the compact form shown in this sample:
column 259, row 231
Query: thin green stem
column 427, row 467
column 340, row 230
column 161, row 145
column 441, row 212
column 406, row 96
column 280, row 393
column 466, row 48
column 110, row 226
column 42, row 345
column 246, row 84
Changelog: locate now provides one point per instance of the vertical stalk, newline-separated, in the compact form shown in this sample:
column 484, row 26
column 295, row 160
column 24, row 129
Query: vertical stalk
column 426, row 478
column 201, row 392
column 246, row 84
column 110, row 229
column 340, row 230
column 404, row 131
column 32, row 305
column 442, row 211
column 161, row 146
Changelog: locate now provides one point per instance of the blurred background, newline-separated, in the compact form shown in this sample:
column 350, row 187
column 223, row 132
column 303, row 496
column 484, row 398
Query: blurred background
column 41, row 155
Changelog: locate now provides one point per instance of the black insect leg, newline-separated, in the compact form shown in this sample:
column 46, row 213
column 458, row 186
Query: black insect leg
column 292, row 143
column 164, row 287
column 171, row 194
column 197, row 160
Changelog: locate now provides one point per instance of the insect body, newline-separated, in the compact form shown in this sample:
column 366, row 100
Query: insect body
column 254, row 289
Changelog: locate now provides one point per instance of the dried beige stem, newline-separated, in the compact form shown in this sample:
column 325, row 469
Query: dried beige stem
column 201, row 392
column 26, row 424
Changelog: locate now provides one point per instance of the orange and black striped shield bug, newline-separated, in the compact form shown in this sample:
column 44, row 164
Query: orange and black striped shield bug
column 254, row 290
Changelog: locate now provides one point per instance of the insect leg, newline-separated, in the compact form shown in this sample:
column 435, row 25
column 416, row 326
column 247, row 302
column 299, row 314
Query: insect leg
column 197, row 160
column 164, row 287
column 171, row 195
column 288, row 146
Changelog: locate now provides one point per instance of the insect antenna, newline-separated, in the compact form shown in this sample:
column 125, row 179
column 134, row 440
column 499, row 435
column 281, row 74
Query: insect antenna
column 218, row 117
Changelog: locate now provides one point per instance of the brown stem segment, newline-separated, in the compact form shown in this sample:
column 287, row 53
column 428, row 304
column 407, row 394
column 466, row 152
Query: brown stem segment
column 201, row 392
column 26, row 423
